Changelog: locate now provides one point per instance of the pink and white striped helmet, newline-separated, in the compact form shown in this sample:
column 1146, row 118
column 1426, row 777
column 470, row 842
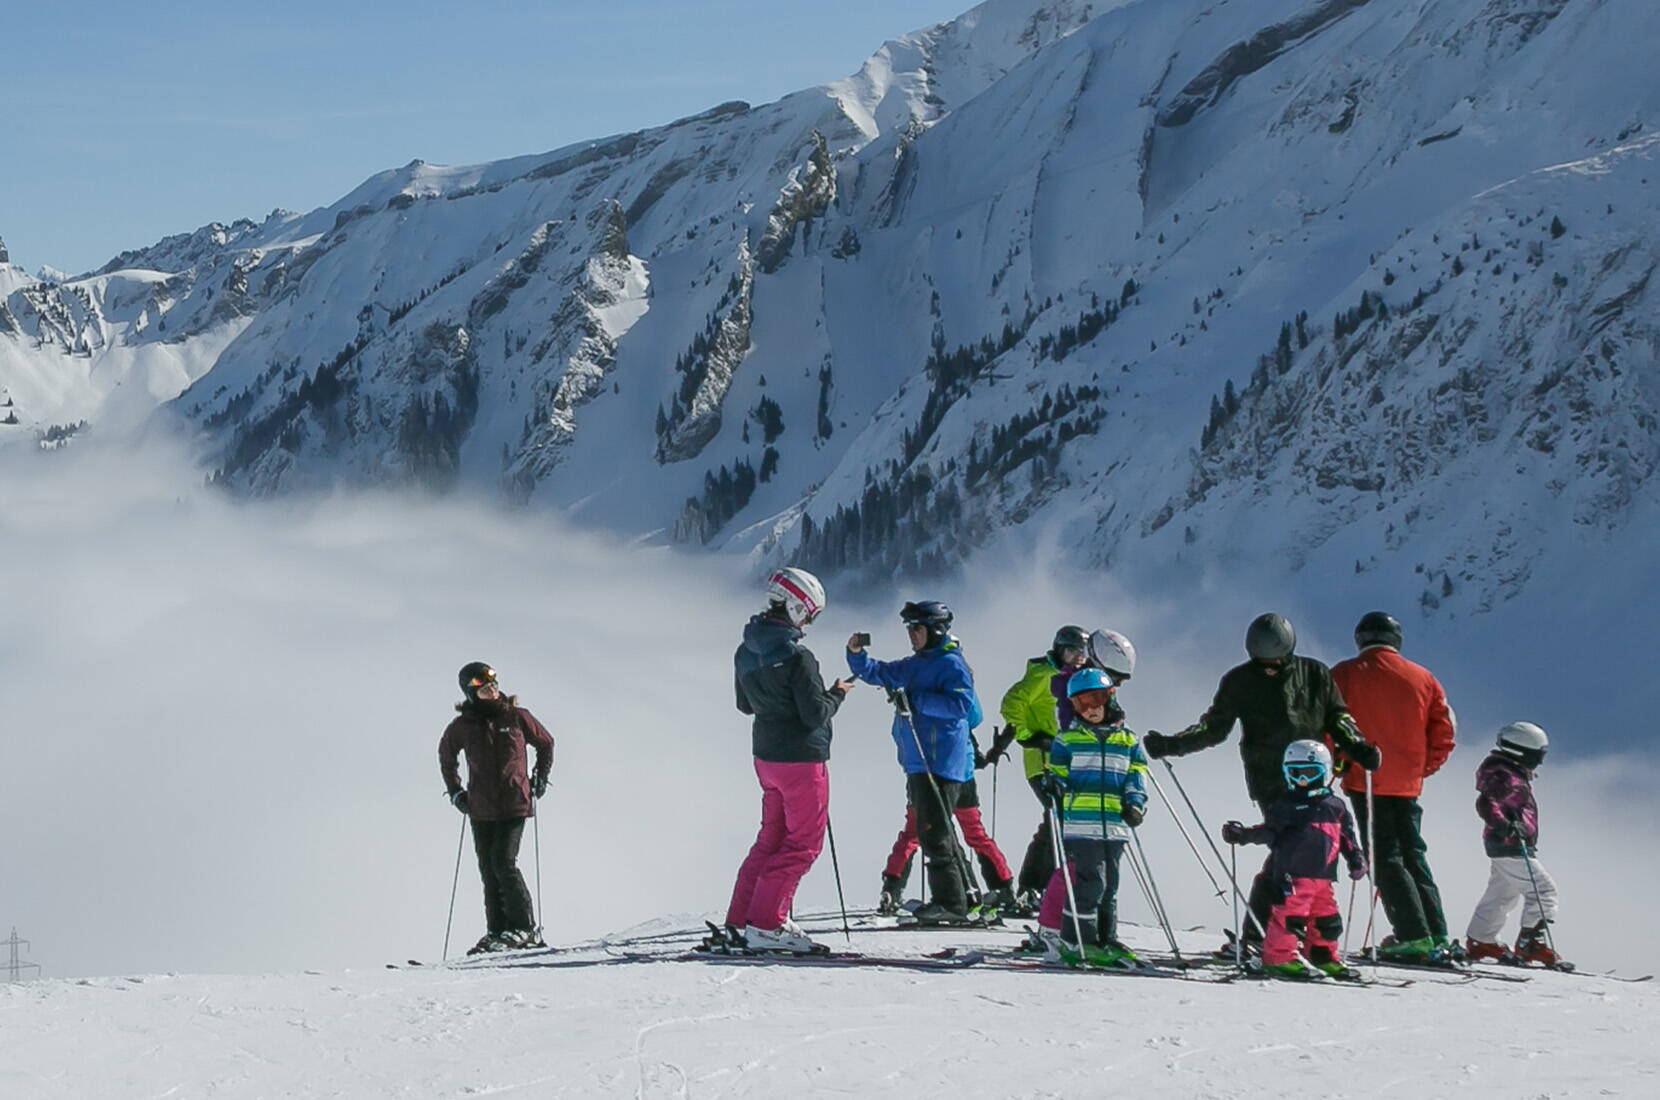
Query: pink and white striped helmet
column 800, row 593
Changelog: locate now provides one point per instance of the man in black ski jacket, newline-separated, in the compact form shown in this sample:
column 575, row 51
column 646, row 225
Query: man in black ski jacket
column 1277, row 698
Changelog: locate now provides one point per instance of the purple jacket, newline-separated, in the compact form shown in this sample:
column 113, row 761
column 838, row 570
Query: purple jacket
column 1305, row 833
column 1506, row 795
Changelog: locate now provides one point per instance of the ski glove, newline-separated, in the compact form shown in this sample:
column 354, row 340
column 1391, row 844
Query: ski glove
column 1157, row 744
column 1234, row 832
column 538, row 786
column 1364, row 753
column 1357, row 871
column 458, row 799
column 1132, row 815
column 1052, row 786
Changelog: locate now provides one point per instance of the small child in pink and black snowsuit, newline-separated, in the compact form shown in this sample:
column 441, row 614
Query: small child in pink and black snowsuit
column 1307, row 829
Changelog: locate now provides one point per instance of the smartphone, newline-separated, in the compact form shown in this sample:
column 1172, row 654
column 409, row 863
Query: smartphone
column 862, row 639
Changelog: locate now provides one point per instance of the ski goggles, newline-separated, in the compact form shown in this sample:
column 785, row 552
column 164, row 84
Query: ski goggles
column 482, row 679
column 1304, row 775
column 1094, row 697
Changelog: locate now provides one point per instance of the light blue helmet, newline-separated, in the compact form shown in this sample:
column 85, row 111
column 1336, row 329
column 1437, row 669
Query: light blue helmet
column 1087, row 679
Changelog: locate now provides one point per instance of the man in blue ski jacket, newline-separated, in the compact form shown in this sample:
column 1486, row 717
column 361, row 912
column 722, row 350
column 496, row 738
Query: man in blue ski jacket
column 935, row 708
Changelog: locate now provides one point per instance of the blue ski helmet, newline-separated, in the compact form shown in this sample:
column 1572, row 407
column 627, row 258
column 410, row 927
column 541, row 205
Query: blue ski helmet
column 1087, row 679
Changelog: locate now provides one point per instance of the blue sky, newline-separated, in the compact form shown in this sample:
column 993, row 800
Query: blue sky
column 125, row 122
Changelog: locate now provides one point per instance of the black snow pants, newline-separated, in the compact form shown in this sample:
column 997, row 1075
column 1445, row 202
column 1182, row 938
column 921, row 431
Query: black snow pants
column 1038, row 867
column 1411, row 900
column 936, row 833
column 1095, row 885
column 506, row 899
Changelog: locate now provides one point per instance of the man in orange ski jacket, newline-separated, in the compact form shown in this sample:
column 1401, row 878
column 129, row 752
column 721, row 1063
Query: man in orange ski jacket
column 1404, row 712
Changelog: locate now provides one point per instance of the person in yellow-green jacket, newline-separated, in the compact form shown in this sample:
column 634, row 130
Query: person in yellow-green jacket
column 1029, row 709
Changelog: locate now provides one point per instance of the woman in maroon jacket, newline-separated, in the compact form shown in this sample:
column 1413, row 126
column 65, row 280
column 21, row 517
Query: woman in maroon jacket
column 493, row 730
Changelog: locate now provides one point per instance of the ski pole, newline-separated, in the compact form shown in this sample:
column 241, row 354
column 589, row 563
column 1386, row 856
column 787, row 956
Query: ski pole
column 1233, row 878
column 536, row 834
column 1538, row 901
column 456, row 882
column 1158, row 899
column 994, row 768
column 1349, row 920
column 836, row 867
column 1233, row 873
column 1065, row 872
column 1171, row 810
column 1371, row 869
column 903, row 702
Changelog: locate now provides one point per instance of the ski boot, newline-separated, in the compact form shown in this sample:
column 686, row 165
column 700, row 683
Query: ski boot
column 483, row 944
column 1250, row 947
column 1298, row 969
column 723, row 939
column 1328, row 963
column 1001, row 901
column 1482, row 951
column 1450, row 949
column 1533, row 946
column 936, row 914
column 892, row 899
column 1028, row 902
column 1424, row 950
column 1095, row 956
column 786, row 939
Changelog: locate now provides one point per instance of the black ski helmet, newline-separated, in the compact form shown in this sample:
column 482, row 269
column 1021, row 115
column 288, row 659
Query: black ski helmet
column 1270, row 638
column 1068, row 637
column 1378, row 628
column 473, row 676
column 929, row 613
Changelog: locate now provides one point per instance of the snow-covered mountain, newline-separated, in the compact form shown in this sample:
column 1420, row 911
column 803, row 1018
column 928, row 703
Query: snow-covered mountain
column 1359, row 287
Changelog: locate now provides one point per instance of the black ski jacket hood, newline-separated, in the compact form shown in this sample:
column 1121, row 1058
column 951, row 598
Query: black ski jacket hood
column 778, row 681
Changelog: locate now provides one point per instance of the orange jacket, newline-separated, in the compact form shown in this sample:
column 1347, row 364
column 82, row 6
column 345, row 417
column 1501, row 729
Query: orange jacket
column 1401, row 709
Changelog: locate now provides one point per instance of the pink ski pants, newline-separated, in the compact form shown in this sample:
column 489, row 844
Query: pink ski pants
column 1308, row 911
column 795, row 809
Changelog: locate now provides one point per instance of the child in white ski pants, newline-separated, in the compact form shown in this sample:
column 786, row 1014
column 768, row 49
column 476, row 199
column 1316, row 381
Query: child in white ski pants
column 1507, row 882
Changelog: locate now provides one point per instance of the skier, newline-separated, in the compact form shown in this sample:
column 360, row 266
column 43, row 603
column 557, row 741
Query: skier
column 1096, row 774
column 993, row 867
column 493, row 730
column 1107, row 650
column 1404, row 711
column 935, row 707
column 1277, row 698
column 1511, row 836
column 778, row 682
column 1029, row 708
column 1306, row 831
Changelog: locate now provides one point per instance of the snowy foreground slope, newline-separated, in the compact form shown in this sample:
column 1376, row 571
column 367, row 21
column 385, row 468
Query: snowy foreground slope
column 581, row 1022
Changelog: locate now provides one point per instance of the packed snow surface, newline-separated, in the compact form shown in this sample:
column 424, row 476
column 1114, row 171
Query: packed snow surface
column 588, row 1020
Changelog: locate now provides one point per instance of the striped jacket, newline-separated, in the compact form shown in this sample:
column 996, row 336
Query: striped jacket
column 1105, row 769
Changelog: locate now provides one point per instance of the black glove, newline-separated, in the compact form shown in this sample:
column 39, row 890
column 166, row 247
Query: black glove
column 980, row 758
column 1132, row 815
column 538, row 786
column 1156, row 744
column 1052, row 786
column 1513, row 828
column 1233, row 832
column 1357, row 870
column 1364, row 753
column 1000, row 744
column 458, row 799
column 1042, row 742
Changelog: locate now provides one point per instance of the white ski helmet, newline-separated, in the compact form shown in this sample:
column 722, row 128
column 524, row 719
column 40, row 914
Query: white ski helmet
column 1524, row 741
column 798, row 592
column 1113, row 652
column 1306, row 764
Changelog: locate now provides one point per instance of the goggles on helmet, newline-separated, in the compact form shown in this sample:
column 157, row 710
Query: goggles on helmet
column 1305, row 774
column 488, row 676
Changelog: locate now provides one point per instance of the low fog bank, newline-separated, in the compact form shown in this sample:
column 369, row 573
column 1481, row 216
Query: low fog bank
column 222, row 722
